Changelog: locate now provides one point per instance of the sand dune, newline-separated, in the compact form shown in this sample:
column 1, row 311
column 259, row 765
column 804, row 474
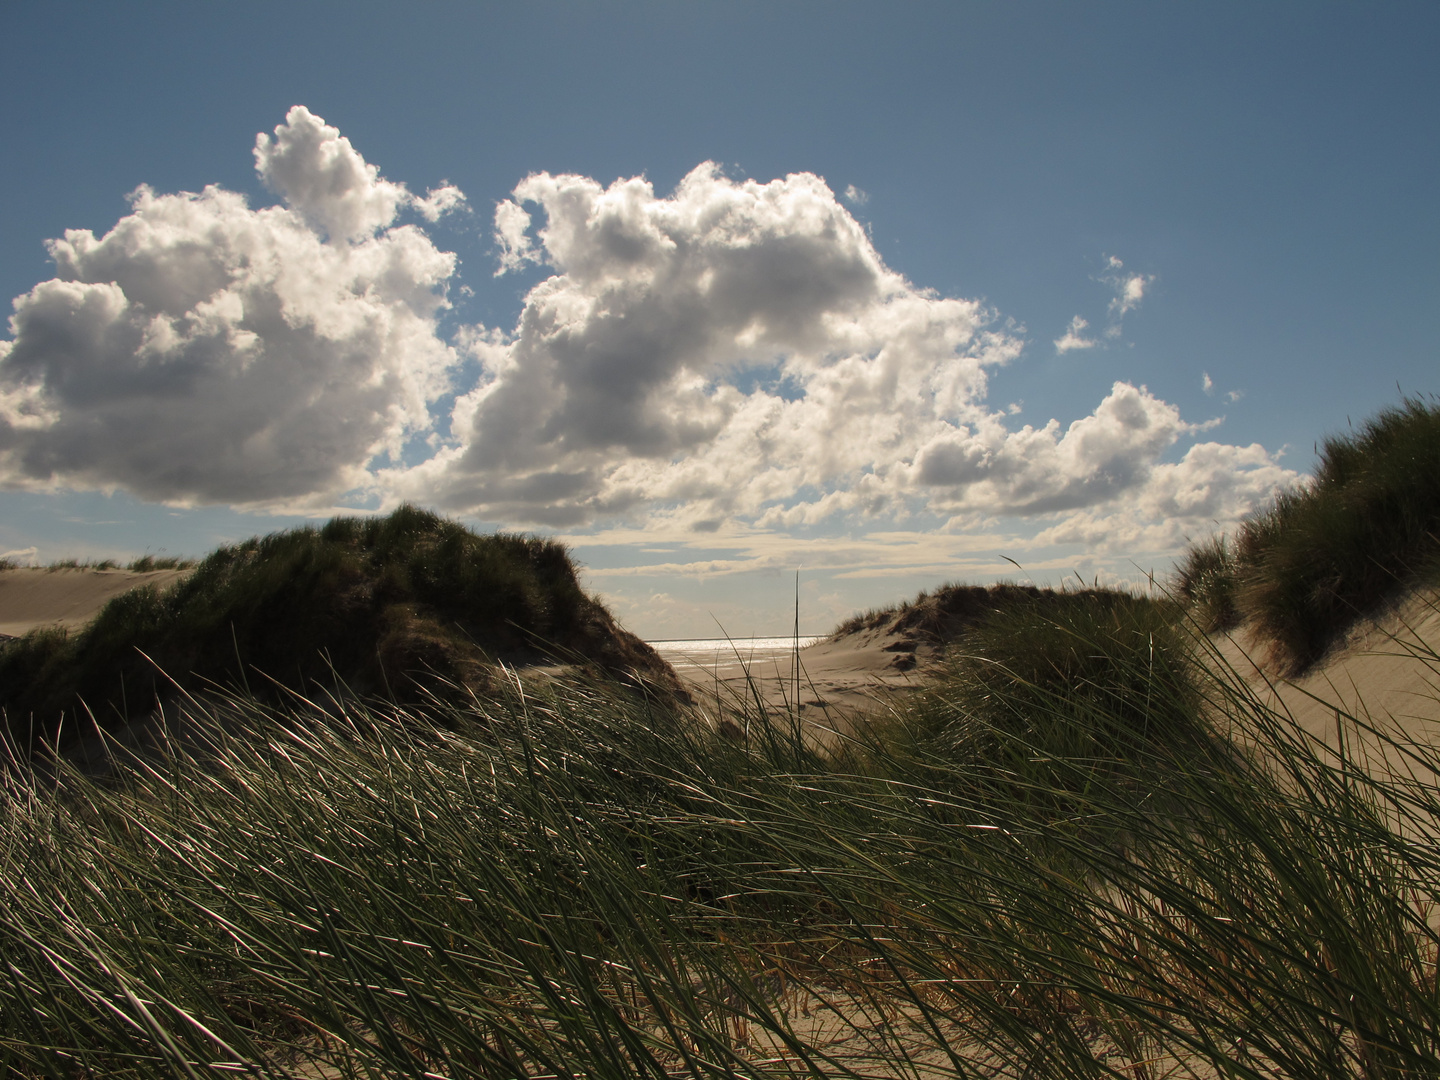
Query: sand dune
column 1386, row 671
column 31, row 598
column 1386, row 674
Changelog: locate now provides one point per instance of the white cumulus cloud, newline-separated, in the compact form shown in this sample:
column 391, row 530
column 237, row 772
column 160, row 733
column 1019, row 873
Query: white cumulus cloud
column 738, row 351
column 724, row 348
column 317, row 172
column 731, row 354
column 1098, row 458
column 205, row 352
column 1213, row 483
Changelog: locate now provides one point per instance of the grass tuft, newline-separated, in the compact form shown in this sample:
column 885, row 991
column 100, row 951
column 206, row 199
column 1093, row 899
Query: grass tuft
column 1321, row 556
column 83, row 564
column 147, row 564
column 1206, row 581
column 143, row 565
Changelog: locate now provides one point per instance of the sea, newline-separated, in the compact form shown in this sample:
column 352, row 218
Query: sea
column 706, row 654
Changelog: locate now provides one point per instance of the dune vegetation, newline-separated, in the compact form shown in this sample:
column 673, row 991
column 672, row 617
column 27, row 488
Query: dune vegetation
column 143, row 565
column 1055, row 862
column 1362, row 532
column 1086, row 848
column 392, row 607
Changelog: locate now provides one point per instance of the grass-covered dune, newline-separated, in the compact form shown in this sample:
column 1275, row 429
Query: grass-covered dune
column 941, row 615
column 1362, row 532
column 386, row 606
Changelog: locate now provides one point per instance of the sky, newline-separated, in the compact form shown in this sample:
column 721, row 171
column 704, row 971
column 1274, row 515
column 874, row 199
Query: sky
column 888, row 295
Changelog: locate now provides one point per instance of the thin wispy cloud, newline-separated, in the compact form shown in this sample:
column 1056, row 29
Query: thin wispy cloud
column 1208, row 385
column 732, row 355
column 1129, row 290
column 1074, row 337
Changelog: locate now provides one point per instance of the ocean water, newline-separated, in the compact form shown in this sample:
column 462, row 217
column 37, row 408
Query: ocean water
column 708, row 653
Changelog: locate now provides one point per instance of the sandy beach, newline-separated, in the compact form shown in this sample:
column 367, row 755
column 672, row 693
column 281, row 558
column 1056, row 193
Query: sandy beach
column 837, row 682
column 846, row 673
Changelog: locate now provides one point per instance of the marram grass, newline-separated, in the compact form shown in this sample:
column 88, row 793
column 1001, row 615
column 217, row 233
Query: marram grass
column 394, row 604
column 1362, row 532
column 557, row 881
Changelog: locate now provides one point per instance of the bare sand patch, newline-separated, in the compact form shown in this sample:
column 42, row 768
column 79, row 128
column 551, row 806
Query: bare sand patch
column 31, row 598
column 1386, row 674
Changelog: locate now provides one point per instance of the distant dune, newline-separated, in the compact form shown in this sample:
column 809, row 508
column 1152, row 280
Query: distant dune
column 865, row 665
column 1386, row 672
column 69, row 597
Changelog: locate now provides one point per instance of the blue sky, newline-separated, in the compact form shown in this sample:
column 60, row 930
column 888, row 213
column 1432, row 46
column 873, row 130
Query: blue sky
column 1196, row 238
